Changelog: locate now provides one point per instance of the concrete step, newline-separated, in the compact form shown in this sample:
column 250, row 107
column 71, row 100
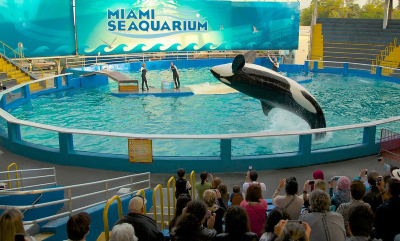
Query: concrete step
column 43, row 236
column 361, row 33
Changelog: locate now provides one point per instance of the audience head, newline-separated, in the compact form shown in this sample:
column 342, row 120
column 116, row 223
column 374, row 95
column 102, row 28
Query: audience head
column 181, row 203
column 393, row 187
column 217, row 181
column 181, row 172
column 78, row 226
column 253, row 175
column 11, row 224
column 320, row 184
column 318, row 175
column 371, row 177
column 210, row 197
column 386, row 177
column 357, row 189
column 253, row 193
column 273, row 219
column 343, row 183
column 292, row 187
column 203, row 176
column 223, row 189
column 236, row 189
column 396, row 174
column 236, row 221
column 136, row 204
column 193, row 218
column 293, row 231
column 319, row 201
column 123, row 232
column 392, row 168
column 361, row 220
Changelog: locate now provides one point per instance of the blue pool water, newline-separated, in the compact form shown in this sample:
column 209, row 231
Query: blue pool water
column 344, row 99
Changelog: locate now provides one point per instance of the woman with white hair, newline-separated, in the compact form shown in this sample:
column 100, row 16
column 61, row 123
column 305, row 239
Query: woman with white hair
column 123, row 232
column 325, row 225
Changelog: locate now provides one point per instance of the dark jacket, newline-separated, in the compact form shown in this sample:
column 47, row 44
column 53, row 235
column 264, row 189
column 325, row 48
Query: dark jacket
column 202, row 234
column 249, row 236
column 386, row 226
column 145, row 227
column 373, row 197
column 180, row 187
column 218, row 218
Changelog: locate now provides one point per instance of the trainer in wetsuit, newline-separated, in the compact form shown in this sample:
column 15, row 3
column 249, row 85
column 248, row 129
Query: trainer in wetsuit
column 275, row 64
column 175, row 75
column 144, row 80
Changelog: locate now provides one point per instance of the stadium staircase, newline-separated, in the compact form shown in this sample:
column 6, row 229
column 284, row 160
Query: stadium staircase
column 357, row 41
column 12, row 71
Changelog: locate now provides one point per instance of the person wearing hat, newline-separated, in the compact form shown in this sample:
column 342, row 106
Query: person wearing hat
column 145, row 227
column 386, row 226
column 342, row 195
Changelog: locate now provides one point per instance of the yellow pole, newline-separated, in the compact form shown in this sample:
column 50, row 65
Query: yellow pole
column 192, row 183
column 172, row 179
column 105, row 214
column 16, row 174
column 158, row 187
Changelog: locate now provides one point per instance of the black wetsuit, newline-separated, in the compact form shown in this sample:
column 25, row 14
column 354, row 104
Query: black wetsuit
column 274, row 67
column 144, row 80
column 175, row 76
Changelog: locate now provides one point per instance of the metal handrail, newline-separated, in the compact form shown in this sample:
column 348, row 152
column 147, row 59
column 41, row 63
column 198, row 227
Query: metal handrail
column 105, row 214
column 192, row 183
column 142, row 192
column 16, row 174
column 4, row 51
column 158, row 187
column 172, row 179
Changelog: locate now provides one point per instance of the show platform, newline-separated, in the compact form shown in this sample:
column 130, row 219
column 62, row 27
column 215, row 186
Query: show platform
column 184, row 91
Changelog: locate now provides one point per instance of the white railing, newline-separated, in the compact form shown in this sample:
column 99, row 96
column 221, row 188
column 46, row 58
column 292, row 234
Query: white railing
column 108, row 191
column 25, row 176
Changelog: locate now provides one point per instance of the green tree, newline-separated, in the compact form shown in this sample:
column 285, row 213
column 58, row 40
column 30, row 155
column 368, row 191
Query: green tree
column 306, row 16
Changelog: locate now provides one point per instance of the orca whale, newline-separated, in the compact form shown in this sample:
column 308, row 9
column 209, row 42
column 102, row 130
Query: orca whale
column 272, row 89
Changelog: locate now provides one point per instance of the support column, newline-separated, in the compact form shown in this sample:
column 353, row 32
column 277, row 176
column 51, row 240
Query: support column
column 26, row 91
column 346, row 68
column 66, row 143
column 226, row 150
column 386, row 14
column 58, row 82
column 14, row 132
column 369, row 135
column 378, row 71
column 3, row 102
column 305, row 142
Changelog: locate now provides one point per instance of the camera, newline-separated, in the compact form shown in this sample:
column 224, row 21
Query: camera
column 250, row 168
column 311, row 182
column 380, row 159
column 378, row 180
column 336, row 178
column 3, row 186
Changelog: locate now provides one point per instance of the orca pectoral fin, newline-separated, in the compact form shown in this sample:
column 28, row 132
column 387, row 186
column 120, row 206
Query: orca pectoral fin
column 238, row 63
column 250, row 57
column 266, row 108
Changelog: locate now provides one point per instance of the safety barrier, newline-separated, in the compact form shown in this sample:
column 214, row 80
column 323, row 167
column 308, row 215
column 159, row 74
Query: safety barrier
column 158, row 187
column 16, row 174
column 70, row 199
column 171, row 180
column 106, row 233
column 22, row 180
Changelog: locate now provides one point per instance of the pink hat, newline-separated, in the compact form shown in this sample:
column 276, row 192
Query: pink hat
column 343, row 183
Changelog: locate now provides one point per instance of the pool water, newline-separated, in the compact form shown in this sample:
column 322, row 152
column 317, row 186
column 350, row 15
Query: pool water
column 345, row 100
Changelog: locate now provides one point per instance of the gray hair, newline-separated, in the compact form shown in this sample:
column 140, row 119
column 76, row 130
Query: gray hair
column 293, row 231
column 319, row 201
column 123, row 232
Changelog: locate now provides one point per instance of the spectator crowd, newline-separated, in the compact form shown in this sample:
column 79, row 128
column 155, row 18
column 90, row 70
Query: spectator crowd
column 338, row 208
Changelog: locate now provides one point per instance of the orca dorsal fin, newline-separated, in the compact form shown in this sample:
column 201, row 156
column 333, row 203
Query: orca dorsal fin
column 238, row 63
column 266, row 108
column 250, row 57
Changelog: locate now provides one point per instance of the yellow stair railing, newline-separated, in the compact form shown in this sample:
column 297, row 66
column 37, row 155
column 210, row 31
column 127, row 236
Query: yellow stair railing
column 158, row 187
column 106, row 234
column 171, row 180
column 19, row 55
column 192, row 183
column 16, row 174
column 390, row 57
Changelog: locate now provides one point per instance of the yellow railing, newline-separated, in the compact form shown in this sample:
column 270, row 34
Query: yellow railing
column 141, row 191
column 16, row 53
column 105, row 215
column 192, row 183
column 16, row 174
column 171, row 180
column 158, row 187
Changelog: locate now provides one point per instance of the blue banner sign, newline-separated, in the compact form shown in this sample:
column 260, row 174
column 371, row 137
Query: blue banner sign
column 44, row 27
column 119, row 27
